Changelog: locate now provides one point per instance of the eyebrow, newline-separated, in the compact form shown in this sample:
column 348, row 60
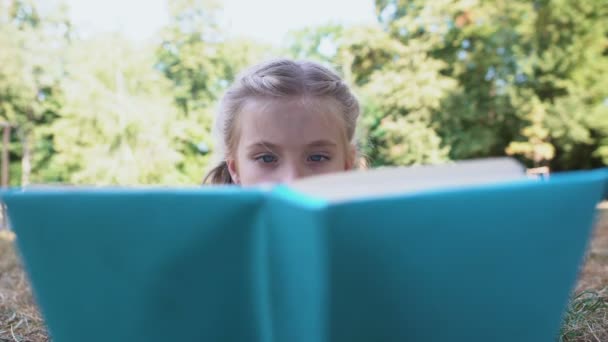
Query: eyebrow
column 322, row 143
column 262, row 144
column 270, row 146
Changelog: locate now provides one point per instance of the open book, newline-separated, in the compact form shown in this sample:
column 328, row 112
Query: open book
column 471, row 251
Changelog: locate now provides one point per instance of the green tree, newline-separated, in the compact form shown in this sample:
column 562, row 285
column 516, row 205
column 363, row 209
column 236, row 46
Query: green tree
column 536, row 147
column 117, row 124
column 401, row 87
column 316, row 43
column 31, row 49
column 506, row 55
column 569, row 69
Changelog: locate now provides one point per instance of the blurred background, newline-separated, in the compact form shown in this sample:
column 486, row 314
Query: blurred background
column 123, row 92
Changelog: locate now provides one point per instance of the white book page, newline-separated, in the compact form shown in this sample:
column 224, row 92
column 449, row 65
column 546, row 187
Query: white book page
column 400, row 180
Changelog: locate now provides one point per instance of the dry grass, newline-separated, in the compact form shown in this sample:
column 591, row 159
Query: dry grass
column 586, row 318
column 19, row 317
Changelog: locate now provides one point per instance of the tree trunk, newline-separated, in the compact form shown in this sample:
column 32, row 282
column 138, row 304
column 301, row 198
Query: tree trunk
column 5, row 168
column 5, row 155
column 26, row 160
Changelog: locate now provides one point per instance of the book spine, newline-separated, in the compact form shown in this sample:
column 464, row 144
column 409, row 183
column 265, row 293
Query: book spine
column 294, row 288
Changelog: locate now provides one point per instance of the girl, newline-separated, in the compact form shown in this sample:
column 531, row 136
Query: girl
column 283, row 120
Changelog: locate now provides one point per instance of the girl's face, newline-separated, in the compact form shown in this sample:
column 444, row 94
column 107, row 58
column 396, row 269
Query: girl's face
column 279, row 141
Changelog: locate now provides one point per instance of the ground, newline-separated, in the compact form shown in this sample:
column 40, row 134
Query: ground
column 586, row 318
column 19, row 317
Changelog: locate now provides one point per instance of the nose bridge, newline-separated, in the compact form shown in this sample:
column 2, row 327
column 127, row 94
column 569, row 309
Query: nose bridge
column 292, row 170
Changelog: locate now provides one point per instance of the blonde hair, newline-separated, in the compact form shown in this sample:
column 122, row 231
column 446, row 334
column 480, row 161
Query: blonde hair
column 273, row 80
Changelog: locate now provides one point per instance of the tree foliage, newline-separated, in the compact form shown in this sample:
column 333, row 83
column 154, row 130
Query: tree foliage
column 438, row 81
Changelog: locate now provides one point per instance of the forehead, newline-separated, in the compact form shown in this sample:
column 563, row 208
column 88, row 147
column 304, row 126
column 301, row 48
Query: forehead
column 291, row 120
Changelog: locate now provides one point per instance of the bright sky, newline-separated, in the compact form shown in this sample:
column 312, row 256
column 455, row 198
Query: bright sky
column 265, row 20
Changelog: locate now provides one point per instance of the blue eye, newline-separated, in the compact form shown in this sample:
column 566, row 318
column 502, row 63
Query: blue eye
column 317, row 158
column 267, row 158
